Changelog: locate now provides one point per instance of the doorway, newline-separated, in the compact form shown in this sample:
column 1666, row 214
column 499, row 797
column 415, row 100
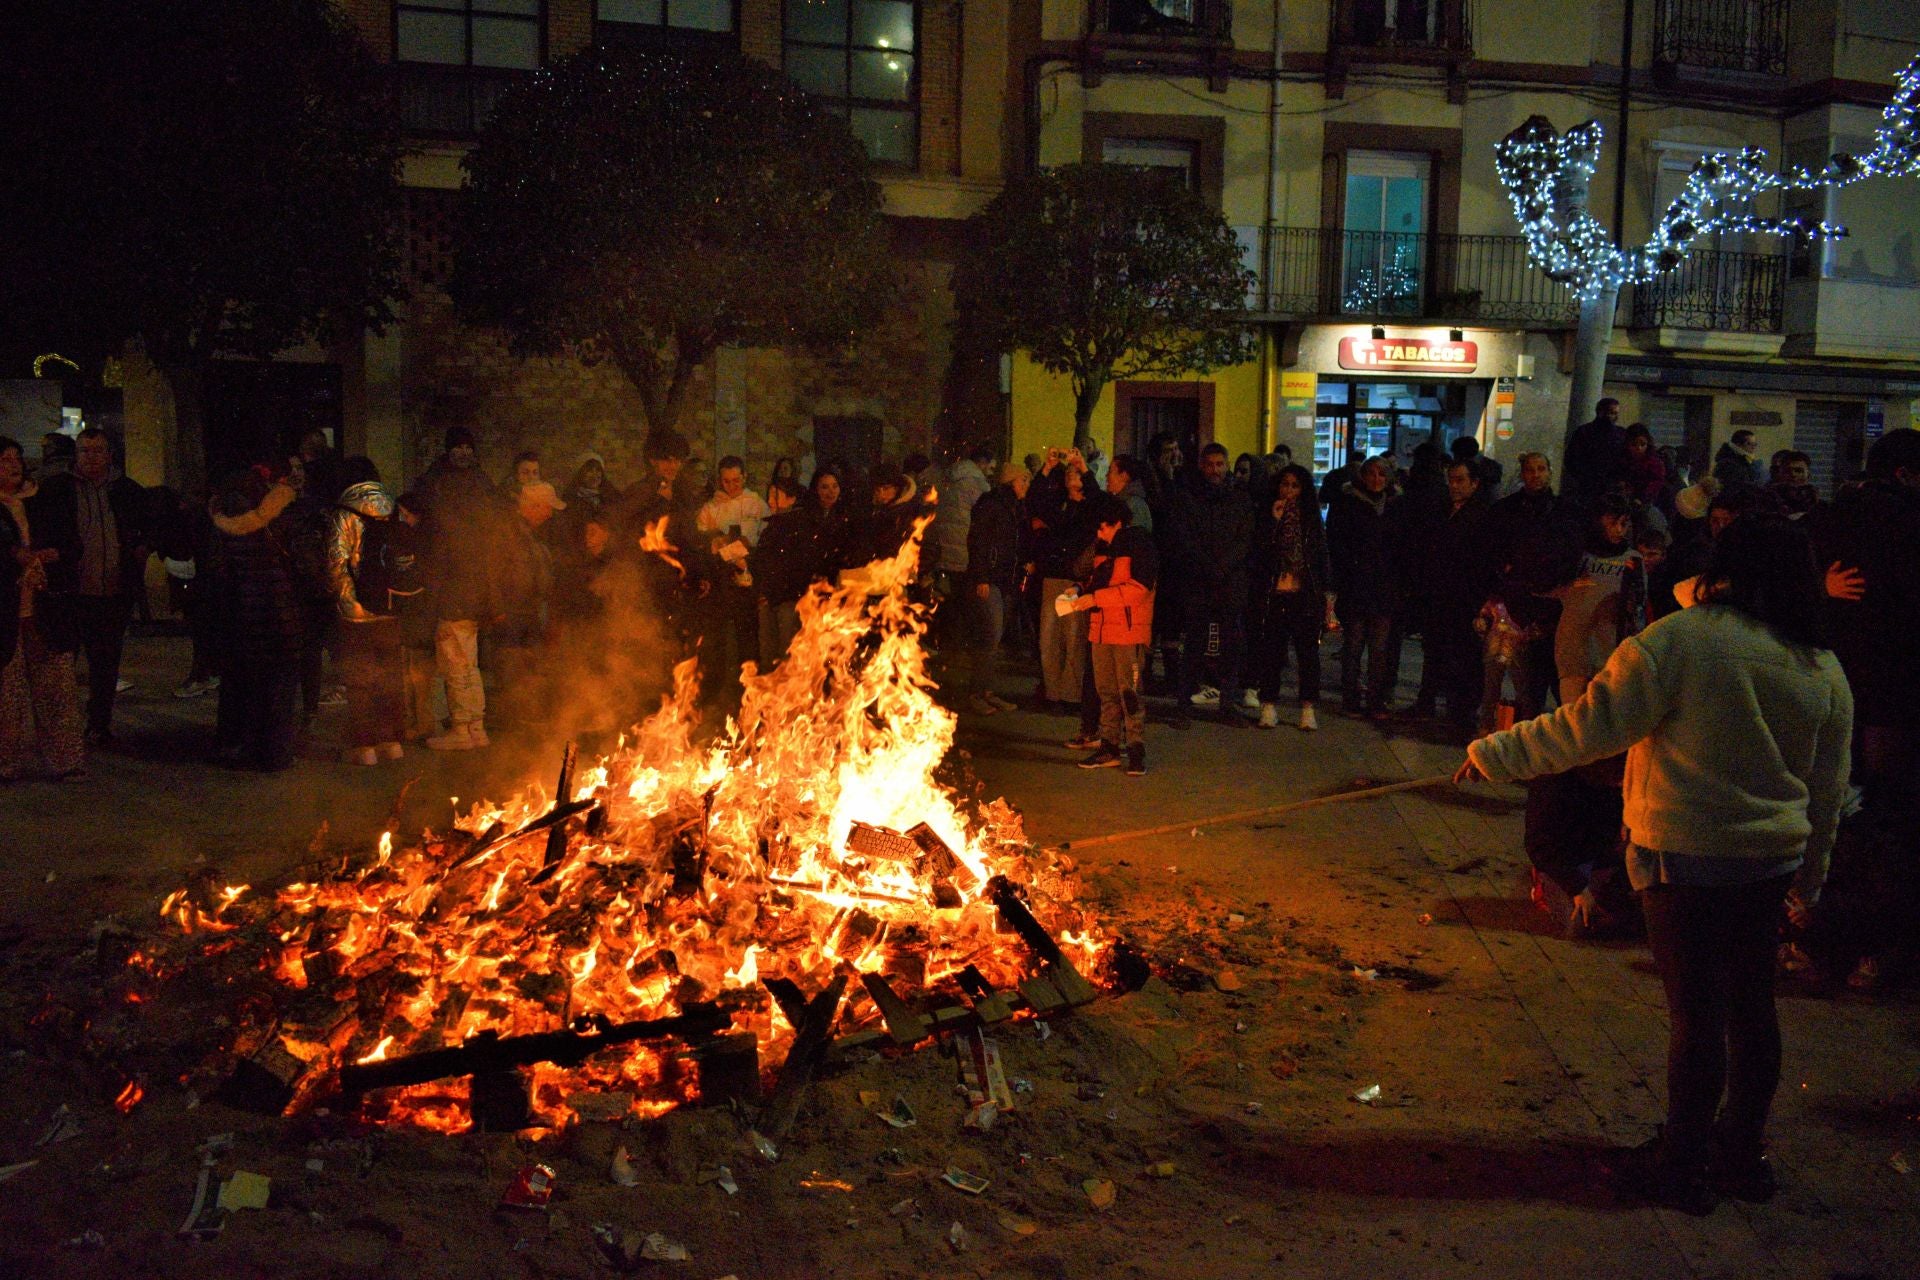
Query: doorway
column 1145, row 411
column 1362, row 417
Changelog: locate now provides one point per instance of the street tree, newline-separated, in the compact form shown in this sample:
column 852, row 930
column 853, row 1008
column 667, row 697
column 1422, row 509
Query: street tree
column 1548, row 177
column 646, row 207
column 1102, row 272
column 196, row 180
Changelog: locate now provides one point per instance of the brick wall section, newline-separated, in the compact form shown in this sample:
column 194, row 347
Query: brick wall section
column 939, row 87
column 569, row 27
column 375, row 20
column 760, row 30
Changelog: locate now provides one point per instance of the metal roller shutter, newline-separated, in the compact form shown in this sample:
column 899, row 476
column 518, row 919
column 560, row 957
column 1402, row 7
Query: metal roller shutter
column 1816, row 433
column 1666, row 418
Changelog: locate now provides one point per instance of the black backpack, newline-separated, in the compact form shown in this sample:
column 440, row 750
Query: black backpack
column 386, row 573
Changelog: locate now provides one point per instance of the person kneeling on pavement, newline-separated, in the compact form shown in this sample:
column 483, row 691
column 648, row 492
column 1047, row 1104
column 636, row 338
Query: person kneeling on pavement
column 1119, row 595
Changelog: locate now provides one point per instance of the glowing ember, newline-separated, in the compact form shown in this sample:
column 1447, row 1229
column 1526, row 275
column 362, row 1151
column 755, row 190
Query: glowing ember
column 708, row 870
column 129, row 1097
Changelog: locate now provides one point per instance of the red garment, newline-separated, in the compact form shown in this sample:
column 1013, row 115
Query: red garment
column 1122, row 607
column 1646, row 476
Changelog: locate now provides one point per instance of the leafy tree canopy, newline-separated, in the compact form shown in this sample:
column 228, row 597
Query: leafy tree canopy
column 215, row 177
column 1101, row 272
column 647, row 206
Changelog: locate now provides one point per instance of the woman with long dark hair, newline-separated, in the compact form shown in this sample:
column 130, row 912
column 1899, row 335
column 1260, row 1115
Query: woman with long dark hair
column 1735, row 718
column 1292, row 604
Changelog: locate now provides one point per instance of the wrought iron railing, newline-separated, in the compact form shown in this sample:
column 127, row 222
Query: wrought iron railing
column 1722, row 35
column 1210, row 21
column 448, row 101
column 1716, row 289
column 1404, row 24
column 1364, row 274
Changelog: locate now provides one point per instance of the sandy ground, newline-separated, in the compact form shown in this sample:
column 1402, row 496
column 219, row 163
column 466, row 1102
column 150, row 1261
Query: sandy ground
column 1509, row 1062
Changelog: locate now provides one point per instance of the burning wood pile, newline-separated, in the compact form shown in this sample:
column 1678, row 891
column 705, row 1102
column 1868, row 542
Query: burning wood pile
column 665, row 921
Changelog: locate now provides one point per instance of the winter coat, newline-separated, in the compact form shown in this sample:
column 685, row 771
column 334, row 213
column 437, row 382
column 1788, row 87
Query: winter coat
column 993, row 539
column 1211, row 538
column 256, row 597
column 965, row 485
column 1363, row 537
column 346, row 531
column 54, row 515
column 466, row 520
column 1124, row 574
column 1875, row 528
column 789, row 557
column 1596, row 452
column 1533, row 543
column 1732, row 468
column 1445, row 560
column 1141, row 511
column 1066, row 528
column 880, row 532
column 1737, row 743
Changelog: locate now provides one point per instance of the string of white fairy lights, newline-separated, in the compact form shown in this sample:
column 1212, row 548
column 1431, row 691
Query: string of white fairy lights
column 1542, row 170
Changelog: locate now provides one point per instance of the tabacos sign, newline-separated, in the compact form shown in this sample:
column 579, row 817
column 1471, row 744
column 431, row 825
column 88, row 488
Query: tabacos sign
column 1408, row 355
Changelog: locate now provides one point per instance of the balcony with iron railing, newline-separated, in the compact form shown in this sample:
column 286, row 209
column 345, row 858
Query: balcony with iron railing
column 1724, row 43
column 1319, row 272
column 1162, row 21
column 1716, row 291
column 1423, row 33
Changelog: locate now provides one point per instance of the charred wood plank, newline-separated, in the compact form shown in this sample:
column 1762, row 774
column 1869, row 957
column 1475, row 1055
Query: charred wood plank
column 792, row 1000
column 1059, row 970
column 1041, row 995
column 988, row 1003
column 492, row 839
column 489, row 1053
column 803, row 1059
column 904, row 1026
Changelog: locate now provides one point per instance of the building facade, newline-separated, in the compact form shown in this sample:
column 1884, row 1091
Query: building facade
column 1349, row 143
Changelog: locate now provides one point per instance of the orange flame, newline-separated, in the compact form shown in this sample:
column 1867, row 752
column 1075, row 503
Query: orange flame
column 654, row 542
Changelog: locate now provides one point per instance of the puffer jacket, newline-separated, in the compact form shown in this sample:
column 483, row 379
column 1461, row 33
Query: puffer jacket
column 256, row 597
column 1212, row 535
column 1121, row 588
column 965, row 485
column 346, row 528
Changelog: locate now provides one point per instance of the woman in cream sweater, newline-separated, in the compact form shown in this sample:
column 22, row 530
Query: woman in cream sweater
column 1735, row 719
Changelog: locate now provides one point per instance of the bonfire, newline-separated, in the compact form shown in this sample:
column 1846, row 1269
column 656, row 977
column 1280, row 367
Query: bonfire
column 823, row 831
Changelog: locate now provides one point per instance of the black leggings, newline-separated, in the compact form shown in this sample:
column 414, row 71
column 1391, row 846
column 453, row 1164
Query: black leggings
column 1290, row 618
column 1714, row 949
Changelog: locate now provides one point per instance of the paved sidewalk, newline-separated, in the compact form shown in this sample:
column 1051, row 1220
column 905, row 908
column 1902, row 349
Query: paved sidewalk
column 1530, row 1057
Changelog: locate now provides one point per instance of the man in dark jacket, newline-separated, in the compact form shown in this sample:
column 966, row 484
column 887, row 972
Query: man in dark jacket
column 1738, row 464
column 1211, row 535
column 466, row 516
column 98, row 521
column 784, row 563
column 1362, row 543
column 1533, row 536
column 992, row 577
column 1447, row 575
column 1596, row 453
column 1874, row 528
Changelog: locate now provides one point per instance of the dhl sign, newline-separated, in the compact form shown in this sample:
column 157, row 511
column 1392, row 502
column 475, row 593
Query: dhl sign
column 1408, row 355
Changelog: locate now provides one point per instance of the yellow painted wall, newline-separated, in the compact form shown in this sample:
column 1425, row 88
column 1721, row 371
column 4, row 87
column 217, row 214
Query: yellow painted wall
column 1043, row 409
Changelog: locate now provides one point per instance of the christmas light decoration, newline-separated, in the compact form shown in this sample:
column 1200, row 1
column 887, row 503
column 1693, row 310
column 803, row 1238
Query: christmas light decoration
column 1546, row 175
column 1396, row 282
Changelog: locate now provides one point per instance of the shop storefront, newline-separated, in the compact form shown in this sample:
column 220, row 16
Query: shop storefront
column 1362, row 390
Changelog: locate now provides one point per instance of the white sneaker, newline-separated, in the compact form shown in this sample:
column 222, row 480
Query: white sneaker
column 1208, row 696
column 1269, row 715
column 213, row 682
column 123, row 685
column 477, row 734
column 390, row 750
column 455, row 739
column 1250, row 699
column 1308, row 721
column 359, row 755
column 191, row 689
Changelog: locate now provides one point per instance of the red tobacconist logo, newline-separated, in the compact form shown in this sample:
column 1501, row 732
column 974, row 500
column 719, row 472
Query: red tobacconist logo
column 1408, row 355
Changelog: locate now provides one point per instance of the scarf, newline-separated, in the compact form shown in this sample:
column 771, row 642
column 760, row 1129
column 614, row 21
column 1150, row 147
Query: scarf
column 1291, row 545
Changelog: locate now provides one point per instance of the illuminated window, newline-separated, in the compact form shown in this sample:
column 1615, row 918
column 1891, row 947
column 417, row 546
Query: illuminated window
column 859, row 57
column 1178, row 158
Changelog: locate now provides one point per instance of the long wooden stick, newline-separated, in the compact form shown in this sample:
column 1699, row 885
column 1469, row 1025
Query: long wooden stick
column 1246, row 815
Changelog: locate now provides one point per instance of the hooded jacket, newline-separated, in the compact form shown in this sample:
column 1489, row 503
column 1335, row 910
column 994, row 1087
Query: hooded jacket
column 346, row 532
column 965, row 485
